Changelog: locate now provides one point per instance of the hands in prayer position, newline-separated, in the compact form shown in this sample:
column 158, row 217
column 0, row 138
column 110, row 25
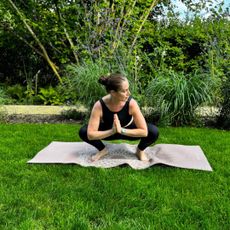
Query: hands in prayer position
column 116, row 124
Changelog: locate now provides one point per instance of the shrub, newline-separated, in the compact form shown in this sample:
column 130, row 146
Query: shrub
column 4, row 97
column 16, row 92
column 50, row 96
column 223, row 119
column 176, row 95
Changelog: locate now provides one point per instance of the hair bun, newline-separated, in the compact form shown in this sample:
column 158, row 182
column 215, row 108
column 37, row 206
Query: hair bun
column 103, row 80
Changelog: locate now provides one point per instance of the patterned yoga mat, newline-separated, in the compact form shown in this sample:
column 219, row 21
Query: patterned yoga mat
column 182, row 156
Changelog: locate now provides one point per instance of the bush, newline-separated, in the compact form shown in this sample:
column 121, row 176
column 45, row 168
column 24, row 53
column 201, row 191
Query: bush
column 16, row 92
column 4, row 98
column 50, row 96
column 223, row 121
column 176, row 96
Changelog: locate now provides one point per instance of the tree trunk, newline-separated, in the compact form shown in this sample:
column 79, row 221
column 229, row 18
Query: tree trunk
column 143, row 19
column 44, row 52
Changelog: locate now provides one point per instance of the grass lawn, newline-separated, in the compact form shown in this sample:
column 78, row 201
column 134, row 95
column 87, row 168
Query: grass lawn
column 73, row 197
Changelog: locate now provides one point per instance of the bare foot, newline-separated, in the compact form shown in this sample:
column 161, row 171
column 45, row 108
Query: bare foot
column 99, row 155
column 141, row 155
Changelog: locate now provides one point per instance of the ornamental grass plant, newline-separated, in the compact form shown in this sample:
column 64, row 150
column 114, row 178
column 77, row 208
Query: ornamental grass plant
column 55, row 196
column 83, row 79
column 176, row 96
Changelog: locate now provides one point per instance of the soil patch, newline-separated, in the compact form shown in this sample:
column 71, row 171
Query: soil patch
column 40, row 119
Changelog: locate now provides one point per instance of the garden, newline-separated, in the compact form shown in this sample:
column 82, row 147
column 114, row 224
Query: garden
column 52, row 54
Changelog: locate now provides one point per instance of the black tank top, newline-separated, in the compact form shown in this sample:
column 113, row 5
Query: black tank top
column 123, row 114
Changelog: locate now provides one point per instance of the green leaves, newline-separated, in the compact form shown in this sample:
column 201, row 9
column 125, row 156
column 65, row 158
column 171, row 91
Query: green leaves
column 113, row 33
column 84, row 80
column 177, row 95
column 50, row 96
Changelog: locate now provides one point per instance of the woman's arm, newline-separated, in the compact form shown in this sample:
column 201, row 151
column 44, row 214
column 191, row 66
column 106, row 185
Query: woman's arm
column 139, row 120
column 94, row 122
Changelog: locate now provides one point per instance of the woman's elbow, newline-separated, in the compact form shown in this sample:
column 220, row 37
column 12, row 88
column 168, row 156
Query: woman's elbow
column 145, row 133
column 90, row 136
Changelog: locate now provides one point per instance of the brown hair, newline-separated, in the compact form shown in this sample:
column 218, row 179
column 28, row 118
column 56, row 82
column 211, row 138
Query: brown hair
column 112, row 82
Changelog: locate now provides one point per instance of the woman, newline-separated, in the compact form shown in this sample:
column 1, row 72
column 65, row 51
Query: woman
column 117, row 116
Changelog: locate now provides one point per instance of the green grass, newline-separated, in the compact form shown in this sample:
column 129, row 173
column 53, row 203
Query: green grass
column 73, row 197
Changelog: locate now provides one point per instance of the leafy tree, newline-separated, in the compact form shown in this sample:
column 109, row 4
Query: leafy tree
column 43, row 50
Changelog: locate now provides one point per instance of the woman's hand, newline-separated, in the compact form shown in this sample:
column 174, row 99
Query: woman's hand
column 116, row 124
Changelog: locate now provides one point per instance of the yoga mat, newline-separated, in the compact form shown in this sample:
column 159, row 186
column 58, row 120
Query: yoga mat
column 182, row 156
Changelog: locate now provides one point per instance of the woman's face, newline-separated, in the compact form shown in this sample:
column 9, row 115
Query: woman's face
column 123, row 93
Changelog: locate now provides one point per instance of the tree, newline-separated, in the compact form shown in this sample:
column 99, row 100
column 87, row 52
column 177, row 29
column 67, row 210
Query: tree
column 42, row 48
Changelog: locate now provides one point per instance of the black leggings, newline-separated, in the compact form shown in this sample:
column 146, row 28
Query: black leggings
column 144, row 141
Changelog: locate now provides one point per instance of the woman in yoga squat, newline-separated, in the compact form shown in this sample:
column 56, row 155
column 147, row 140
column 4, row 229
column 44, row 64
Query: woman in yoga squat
column 117, row 116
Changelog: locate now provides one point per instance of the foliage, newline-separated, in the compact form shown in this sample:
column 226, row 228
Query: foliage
column 223, row 120
column 84, row 80
column 50, row 96
column 16, row 92
column 176, row 95
column 74, row 31
column 3, row 96
column 19, row 94
column 218, row 63
column 186, row 47
column 129, row 36
column 66, row 31
column 17, row 57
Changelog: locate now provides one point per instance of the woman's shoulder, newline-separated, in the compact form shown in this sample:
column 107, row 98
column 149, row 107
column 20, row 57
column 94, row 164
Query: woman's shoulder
column 97, row 105
column 97, row 109
column 133, row 106
column 105, row 99
column 133, row 102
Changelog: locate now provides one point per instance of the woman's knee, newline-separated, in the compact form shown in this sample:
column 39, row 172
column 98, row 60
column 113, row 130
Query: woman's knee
column 83, row 132
column 153, row 132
